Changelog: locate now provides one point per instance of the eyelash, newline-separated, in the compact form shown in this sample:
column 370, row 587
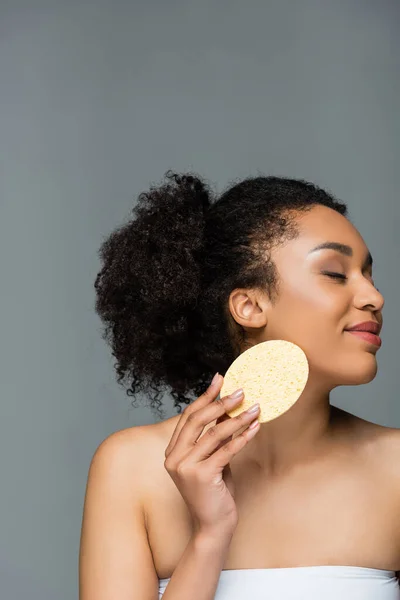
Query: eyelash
column 341, row 277
column 335, row 275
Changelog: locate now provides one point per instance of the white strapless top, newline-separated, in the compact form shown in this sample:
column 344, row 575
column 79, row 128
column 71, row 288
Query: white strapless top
column 308, row 583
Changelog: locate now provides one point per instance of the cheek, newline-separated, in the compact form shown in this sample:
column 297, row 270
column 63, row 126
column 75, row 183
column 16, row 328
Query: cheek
column 313, row 319
column 308, row 313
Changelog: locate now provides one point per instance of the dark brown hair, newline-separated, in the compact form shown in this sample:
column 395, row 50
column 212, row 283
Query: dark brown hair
column 167, row 274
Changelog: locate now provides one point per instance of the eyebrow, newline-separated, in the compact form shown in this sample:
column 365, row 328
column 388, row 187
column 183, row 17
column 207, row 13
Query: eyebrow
column 343, row 249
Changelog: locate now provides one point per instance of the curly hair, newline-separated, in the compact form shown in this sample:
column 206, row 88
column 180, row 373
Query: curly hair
column 167, row 274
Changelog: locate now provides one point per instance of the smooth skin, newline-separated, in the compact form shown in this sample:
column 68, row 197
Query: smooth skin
column 196, row 462
column 317, row 486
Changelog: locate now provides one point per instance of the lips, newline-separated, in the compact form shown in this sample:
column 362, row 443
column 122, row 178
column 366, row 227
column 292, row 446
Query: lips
column 370, row 326
column 367, row 331
column 371, row 338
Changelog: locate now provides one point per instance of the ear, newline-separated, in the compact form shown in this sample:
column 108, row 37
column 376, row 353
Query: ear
column 249, row 308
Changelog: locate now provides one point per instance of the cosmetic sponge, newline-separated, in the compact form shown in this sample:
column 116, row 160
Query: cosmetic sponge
column 272, row 373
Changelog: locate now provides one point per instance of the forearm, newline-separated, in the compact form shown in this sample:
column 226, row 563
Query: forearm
column 197, row 573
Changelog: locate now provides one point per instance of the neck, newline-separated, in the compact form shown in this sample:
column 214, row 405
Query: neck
column 300, row 434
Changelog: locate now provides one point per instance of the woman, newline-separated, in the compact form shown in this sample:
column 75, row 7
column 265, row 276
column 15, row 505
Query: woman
column 201, row 506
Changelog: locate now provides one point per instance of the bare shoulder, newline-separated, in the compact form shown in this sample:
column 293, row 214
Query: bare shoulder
column 388, row 444
column 138, row 450
column 380, row 434
column 114, row 542
column 137, row 446
column 378, row 443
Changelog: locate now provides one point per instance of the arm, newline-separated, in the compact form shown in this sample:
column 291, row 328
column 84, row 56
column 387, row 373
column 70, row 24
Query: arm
column 197, row 573
column 115, row 560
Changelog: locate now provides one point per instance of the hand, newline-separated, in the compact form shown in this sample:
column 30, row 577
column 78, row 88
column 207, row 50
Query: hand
column 199, row 465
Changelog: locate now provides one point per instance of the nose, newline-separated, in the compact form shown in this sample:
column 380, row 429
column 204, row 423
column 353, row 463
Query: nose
column 368, row 296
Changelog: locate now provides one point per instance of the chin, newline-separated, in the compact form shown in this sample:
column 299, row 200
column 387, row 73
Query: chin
column 353, row 370
column 362, row 371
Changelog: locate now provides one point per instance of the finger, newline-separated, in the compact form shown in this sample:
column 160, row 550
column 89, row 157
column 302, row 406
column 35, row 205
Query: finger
column 209, row 395
column 218, row 435
column 197, row 421
column 222, row 418
column 223, row 456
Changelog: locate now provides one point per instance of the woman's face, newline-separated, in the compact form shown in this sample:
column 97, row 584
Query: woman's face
column 313, row 308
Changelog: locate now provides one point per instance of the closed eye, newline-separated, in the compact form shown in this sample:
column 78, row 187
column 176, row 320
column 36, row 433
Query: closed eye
column 342, row 277
column 335, row 275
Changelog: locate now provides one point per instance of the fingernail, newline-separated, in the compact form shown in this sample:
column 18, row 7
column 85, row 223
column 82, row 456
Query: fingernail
column 215, row 379
column 253, row 409
column 237, row 394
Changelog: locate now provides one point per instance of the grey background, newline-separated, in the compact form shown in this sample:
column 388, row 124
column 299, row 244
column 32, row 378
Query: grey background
column 98, row 100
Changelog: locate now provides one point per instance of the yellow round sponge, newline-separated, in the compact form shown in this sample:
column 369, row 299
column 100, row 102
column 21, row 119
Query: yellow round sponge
column 272, row 373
